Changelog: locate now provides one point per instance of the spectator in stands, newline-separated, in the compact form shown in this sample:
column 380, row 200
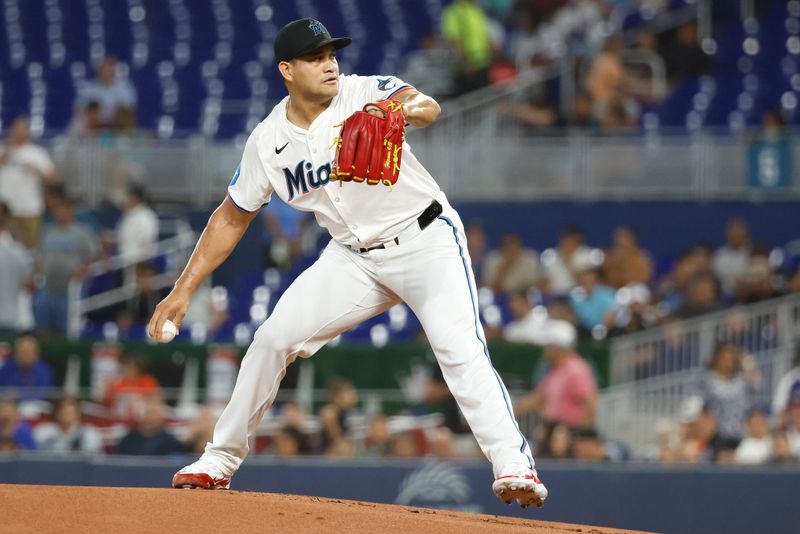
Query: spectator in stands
column 683, row 55
column 201, row 430
column 701, row 297
column 342, row 399
column 755, row 284
column 25, row 168
column 525, row 45
column 151, row 437
column 67, row 433
column 379, row 437
column 535, row 115
column 788, row 386
column 560, row 309
column 558, row 263
column 466, row 27
column 626, row 263
column 126, row 395
column 728, row 387
column 528, row 324
column 557, row 442
column 666, row 448
column 511, row 268
column 701, row 440
column 782, row 448
column 26, row 372
column 129, row 151
column 15, row 434
column 672, row 288
column 54, row 195
column 87, row 122
column 593, row 302
column 588, row 445
column 137, row 231
column 441, row 443
column 342, row 447
column 732, row 259
column 790, row 422
column 405, row 445
column 756, row 448
column 15, row 269
column 67, row 249
column 140, row 307
column 568, row 392
column 109, row 90
column 285, row 234
column 608, row 85
column 634, row 311
column 429, row 68
column 476, row 246
column 581, row 114
column 289, row 442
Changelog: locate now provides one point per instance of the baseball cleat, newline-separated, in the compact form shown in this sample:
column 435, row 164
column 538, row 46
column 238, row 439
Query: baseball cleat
column 201, row 475
column 522, row 484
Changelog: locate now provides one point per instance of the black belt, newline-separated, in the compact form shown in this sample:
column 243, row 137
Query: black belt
column 425, row 219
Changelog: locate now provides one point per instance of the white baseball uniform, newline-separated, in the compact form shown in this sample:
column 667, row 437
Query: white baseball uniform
column 427, row 269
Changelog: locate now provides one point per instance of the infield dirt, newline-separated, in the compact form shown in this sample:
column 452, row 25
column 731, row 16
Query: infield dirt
column 75, row 509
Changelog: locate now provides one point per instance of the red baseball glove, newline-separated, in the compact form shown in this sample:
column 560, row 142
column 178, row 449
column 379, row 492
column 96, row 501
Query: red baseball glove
column 369, row 147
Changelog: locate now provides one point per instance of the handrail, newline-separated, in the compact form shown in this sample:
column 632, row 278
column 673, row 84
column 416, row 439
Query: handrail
column 654, row 372
column 716, row 317
column 78, row 305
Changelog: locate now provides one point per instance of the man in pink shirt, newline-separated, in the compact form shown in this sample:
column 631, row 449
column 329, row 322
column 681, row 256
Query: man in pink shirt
column 568, row 392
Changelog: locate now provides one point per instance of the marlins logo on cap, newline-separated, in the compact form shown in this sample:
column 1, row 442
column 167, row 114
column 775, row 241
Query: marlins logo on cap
column 303, row 36
column 316, row 27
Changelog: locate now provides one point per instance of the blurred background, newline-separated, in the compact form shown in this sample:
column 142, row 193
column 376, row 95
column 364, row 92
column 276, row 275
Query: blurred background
column 625, row 169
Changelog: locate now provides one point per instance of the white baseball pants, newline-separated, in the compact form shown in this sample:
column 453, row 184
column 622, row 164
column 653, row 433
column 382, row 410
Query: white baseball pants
column 432, row 274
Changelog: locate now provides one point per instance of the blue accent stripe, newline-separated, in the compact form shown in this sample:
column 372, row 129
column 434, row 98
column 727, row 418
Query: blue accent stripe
column 236, row 176
column 241, row 208
column 398, row 90
column 477, row 334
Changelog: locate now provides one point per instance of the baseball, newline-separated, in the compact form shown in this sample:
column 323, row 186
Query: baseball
column 168, row 332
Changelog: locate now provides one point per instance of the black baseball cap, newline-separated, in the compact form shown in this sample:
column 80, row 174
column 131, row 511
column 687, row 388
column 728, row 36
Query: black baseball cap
column 303, row 36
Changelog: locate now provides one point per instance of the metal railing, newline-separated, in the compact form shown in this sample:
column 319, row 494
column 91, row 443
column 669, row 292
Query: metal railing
column 654, row 372
column 175, row 250
column 475, row 154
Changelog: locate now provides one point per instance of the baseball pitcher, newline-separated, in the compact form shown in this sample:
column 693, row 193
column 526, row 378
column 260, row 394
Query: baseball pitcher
column 335, row 146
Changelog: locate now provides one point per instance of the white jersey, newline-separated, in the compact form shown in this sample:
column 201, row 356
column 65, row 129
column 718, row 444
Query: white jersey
column 296, row 164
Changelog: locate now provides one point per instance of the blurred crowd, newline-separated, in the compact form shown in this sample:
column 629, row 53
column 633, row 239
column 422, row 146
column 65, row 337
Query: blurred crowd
column 720, row 422
column 491, row 42
column 619, row 290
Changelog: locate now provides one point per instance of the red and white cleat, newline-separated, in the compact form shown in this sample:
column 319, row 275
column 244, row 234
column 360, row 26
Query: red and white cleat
column 202, row 474
column 522, row 484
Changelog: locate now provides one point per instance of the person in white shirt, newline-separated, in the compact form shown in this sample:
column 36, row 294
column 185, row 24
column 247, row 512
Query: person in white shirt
column 512, row 267
column 137, row 231
column 559, row 263
column 389, row 244
column 732, row 260
column 109, row 90
column 756, row 448
column 528, row 324
column 67, row 433
column 25, row 168
column 15, row 271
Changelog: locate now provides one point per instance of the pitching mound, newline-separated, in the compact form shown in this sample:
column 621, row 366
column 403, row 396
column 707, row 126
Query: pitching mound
column 59, row 509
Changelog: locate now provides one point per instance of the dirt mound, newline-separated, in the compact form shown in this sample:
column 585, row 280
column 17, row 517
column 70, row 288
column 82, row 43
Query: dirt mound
column 59, row 509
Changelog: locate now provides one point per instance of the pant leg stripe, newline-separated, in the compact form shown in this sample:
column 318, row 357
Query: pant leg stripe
column 477, row 334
